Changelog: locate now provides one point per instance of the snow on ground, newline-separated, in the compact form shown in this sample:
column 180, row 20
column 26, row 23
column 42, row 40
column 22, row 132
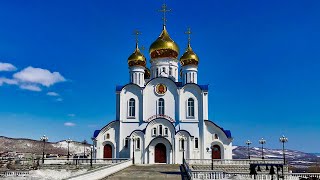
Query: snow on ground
column 48, row 174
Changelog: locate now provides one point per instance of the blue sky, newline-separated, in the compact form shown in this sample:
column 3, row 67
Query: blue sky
column 260, row 58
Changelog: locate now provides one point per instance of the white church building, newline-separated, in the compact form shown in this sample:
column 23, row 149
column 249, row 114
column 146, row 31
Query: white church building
column 162, row 113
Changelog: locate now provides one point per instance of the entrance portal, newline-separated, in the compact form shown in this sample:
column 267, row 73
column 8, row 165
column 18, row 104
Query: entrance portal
column 160, row 153
column 107, row 151
column 216, row 152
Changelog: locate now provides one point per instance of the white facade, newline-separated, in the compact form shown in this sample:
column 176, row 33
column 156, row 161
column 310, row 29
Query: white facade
column 159, row 119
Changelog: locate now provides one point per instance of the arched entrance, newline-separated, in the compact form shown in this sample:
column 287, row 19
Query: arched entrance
column 107, row 151
column 216, row 152
column 160, row 153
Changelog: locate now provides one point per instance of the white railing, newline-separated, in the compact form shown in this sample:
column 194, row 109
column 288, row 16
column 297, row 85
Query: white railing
column 78, row 161
column 14, row 173
column 233, row 161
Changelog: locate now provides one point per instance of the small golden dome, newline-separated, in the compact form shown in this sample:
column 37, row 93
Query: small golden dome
column 147, row 73
column 164, row 46
column 189, row 57
column 137, row 58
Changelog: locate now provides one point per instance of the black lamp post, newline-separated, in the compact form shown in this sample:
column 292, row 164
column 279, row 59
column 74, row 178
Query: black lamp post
column 248, row 142
column 91, row 147
column 68, row 141
column 211, row 157
column 44, row 139
column 283, row 140
column 262, row 142
column 84, row 142
column 133, row 150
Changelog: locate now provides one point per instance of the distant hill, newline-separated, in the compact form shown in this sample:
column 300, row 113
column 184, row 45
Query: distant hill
column 23, row 145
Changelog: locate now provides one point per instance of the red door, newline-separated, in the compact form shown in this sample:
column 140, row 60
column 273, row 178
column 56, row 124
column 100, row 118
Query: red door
column 160, row 153
column 216, row 152
column 107, row 151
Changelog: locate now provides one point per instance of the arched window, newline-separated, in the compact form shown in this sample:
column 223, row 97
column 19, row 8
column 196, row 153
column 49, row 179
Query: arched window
column 138, row 143
column 132, row 107
column 108, row 136
column 161, row 106
column 166, row 131
column 126, row 143
column 160, row 130
column 216, row 136
column 196, row 143
column 154, row 132
column 190, row 107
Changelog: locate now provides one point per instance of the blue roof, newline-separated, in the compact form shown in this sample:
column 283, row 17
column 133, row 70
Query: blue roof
column 96, row 132
column 119, row 88
column 228, row 133
column 204, row 87
column 178, row 84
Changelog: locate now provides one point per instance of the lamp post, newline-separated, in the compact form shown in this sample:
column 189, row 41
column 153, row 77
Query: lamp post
column 84, row 142
column 68, row 141
column 182, row 139
column 44, row 139
column 283, row 140
column 248, row 142
column 211, row 157
column 262, row 142
column 91, row 148
column 133, row 150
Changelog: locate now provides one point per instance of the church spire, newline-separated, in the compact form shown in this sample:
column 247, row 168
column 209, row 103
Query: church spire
column 164, row 10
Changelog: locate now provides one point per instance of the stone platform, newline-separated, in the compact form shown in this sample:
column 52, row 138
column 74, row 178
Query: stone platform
column 146, row 172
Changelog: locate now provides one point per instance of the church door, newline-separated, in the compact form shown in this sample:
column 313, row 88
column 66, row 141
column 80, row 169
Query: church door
column 107, row 151
column 160, row 153
column 216, row 152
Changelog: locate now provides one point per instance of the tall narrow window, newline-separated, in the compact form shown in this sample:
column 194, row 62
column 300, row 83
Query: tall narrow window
column 132, row 107
column 182, row 144
column 190, row 107
column 108, row 136
column 166, row 131
column 138, row 143
column 154, row 131
column 196, row 143
column 161, row 106
column 126, row 143
column 160, row 130
column 170, row 71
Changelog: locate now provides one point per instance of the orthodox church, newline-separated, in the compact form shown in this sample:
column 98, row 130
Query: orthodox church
column 162, row 113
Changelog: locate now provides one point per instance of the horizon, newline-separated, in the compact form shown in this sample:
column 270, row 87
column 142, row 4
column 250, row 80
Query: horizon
column 260, row 59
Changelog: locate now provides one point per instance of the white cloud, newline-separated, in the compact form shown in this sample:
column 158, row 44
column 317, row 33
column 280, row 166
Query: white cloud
column 7, row 67
column 39, row 76
column 8, row 81
column 71, row 115
column 52, row 94
column 30, row 87
column 70, row 124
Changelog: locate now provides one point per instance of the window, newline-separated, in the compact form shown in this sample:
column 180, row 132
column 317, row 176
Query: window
column 216, row 136
column 132, row 104
column 157, row 72
column 166, row 131
column 182, row 144
column 196, row 143
column 154, row 131
column 126, row 143
column 161, row 106
column 138, row 143
column 170, row 71
column 164, row 69
column 160, row 130
column 108, row 136
column 190, row 107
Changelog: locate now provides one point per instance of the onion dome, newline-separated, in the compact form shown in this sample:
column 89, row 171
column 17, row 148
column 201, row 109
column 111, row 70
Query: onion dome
column 189, row 57
column 147, row 73
column 137, row 58
column 164, row 46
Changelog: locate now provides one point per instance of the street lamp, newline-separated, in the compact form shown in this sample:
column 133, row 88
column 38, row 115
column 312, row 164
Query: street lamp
column 91, row 148
column 283, row 140
column 84, row 142
column 44, row 139
column 68, row 141
column 262, row 142
column 248, row 142
column 133, row 149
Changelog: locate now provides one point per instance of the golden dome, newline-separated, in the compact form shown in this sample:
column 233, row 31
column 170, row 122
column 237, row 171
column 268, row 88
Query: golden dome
column 164, row 46
column 147, row 73
column 137, row 58
column 189, row 57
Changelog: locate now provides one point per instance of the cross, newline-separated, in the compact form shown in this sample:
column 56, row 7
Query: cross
column 137, row 33
column 189, row 34
column 164, row 10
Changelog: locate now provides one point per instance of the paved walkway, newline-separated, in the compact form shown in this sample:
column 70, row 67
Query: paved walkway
column 146, row 172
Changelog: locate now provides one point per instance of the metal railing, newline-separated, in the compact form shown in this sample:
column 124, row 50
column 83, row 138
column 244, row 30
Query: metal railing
column 84, row 161
column 233, row 161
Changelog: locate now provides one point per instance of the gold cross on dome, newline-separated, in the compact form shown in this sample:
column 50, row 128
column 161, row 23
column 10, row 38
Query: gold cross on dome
column 189, row 34
column 164, row 10
column 137, row 33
